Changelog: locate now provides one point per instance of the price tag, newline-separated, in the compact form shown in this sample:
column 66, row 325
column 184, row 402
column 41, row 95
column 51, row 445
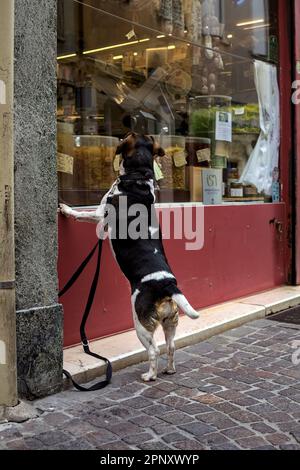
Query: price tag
column 203, row 155
column 239, row 111
column 65, row 163
column 116, row 163
column 157, row 171
column 179, row 158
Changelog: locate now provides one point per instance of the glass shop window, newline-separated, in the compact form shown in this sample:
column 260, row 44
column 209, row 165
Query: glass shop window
column 198, row 75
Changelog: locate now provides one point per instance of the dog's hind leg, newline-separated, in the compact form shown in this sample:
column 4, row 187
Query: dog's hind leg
column 169, row 325
column 146, row 338
column 170, row 331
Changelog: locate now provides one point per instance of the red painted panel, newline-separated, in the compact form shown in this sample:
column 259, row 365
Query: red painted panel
column 242, row 254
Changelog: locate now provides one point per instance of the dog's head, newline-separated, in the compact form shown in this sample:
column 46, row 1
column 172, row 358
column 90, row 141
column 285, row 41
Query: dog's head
column 138, row 152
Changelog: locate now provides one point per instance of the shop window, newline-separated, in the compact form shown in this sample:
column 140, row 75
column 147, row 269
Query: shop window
column 199, row 75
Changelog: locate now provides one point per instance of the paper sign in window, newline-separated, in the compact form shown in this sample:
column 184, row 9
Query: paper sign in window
column 2, row 92
column 2, row 353
column 224, row 126
column 65, row 163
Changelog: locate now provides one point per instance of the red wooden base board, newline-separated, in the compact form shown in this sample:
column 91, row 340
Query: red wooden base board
column 242, row 254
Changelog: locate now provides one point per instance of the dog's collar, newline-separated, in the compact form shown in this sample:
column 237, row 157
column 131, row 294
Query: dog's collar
column 136, row 176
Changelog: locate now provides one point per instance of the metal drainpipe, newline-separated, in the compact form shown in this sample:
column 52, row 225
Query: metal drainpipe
column 8, row 375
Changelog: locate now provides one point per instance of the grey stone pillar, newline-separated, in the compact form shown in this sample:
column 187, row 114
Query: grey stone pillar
column 39, row 316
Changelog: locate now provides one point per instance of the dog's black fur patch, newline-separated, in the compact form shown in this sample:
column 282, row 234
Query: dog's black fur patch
column 141, row 257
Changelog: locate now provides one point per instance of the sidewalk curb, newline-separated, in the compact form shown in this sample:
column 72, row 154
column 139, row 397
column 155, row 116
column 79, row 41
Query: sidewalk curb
column 213, row 321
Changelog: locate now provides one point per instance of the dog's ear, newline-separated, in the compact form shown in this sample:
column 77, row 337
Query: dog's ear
column 126, row 146
column 158, row 151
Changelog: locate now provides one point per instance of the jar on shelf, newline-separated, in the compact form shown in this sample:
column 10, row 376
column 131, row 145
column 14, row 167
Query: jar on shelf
column 173, row 163
column 93, row 161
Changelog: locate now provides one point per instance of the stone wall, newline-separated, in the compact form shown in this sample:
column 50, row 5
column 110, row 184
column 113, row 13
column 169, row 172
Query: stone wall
column 39, row 316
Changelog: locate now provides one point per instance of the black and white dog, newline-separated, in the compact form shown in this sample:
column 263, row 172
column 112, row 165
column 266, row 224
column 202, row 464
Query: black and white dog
column 155, row 295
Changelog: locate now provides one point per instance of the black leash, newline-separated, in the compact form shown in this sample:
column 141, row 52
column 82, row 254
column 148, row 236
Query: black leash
column 88, row 306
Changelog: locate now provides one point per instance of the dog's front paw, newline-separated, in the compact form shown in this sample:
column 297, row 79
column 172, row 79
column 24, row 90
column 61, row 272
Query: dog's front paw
column 65, row 210
column 148, row 377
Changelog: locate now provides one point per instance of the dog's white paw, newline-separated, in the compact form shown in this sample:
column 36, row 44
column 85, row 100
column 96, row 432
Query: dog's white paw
column 148, row 377
column 65, row 210
column 169, row 371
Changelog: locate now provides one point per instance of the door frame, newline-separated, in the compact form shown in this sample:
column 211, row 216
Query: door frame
column 285, row 12
column 296, row 143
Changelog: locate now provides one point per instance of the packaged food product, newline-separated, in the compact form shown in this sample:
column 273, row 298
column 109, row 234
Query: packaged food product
column 173, row 163
column 198, row 151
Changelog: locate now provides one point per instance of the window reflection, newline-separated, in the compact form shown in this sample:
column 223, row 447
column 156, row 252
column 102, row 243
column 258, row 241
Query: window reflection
column 182, row 71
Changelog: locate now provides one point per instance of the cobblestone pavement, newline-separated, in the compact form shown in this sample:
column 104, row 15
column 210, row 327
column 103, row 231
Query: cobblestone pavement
column 238, row 390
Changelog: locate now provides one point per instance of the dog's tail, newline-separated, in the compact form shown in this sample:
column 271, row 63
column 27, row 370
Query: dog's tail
column 184, row 305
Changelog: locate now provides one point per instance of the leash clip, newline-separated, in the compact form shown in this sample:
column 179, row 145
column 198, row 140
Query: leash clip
column 85, row 343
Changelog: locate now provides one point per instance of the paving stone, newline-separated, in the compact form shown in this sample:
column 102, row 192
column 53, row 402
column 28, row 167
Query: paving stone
column 289, row 392
column 105, row 420
column 137, row 403
column 182, row 355
column 219, row 420
column 208, row 399
column 277, row 439
column 173, row 437
column 145, row 421
column 124, row 429
column 188, row 392
column 76, row 444
column 245, row 416
column 18, row 444
column 134, row 387
column 277, row 417
column 225, row 407
column 51, row 438
column 245, row 401
column 117, row 445
column 137, row 439
column 174, row 417
column 227, row 446
column 76, row 427
column 197, row 429
column 164, row 428
column 195, row 408
column 189, row 444
column 201, row 348
column 253, row 442
column 262, row 408
column 154, row 445
column 121, row 412
column 53, row 419
column 9, row 434
column 35, row 426
column 174, row 401
column 290, row 447
column 238, row 432
column 157, row 410
column 289, row 426
column 34, row 444
column 261, row 394
column 214, row 439
column 210, row 388
column 262, row 428
column 154, row 393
